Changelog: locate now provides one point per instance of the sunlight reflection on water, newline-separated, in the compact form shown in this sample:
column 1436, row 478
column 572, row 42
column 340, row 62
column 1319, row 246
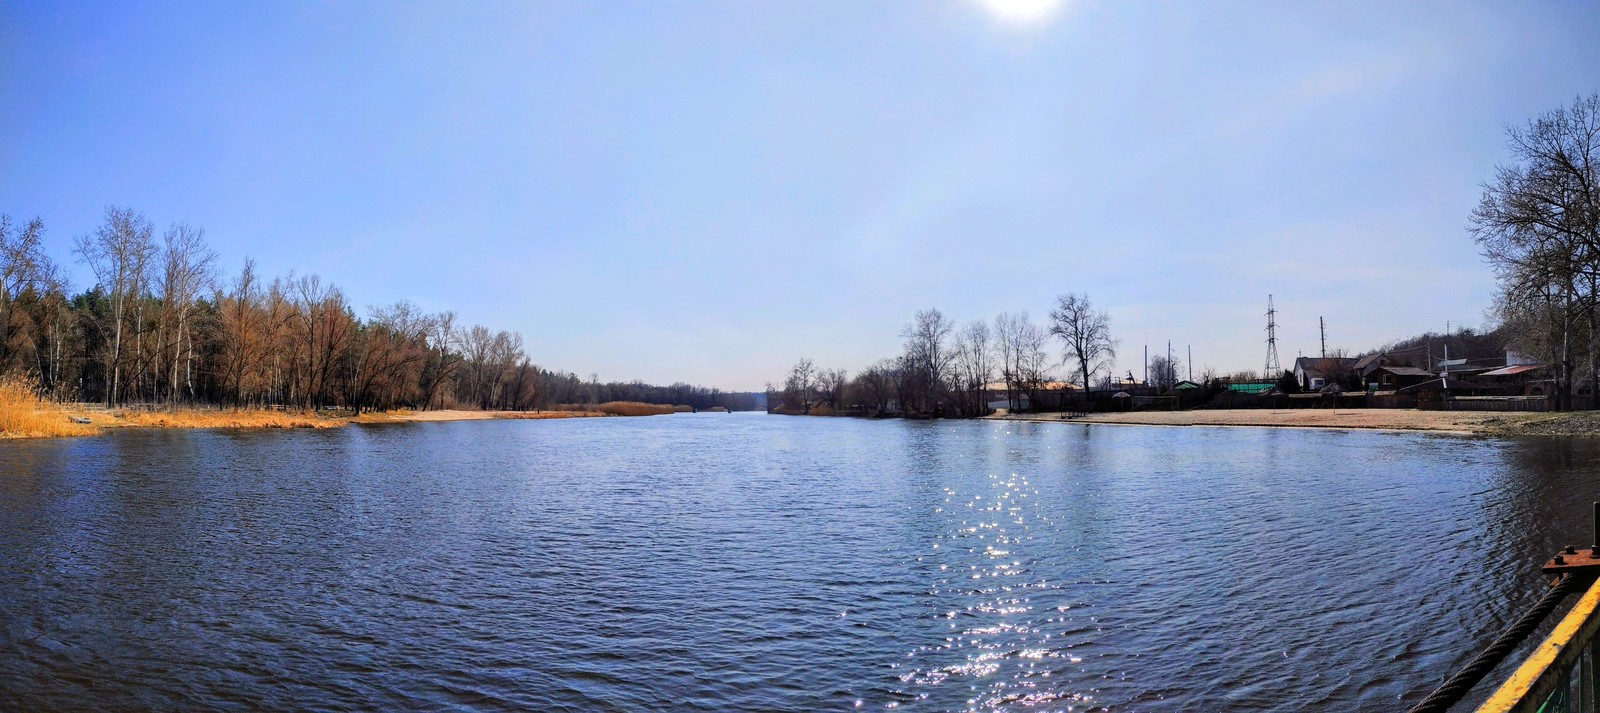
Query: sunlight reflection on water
column 717, row 562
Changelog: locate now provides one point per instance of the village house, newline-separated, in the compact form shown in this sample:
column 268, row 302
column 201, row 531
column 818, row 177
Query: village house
column 1363, row 368
column 1314, row 373
column 1393, row 378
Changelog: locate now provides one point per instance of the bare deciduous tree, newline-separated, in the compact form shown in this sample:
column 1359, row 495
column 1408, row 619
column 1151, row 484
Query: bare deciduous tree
column 188, row 269
column 1538, row 226
column 830, row 387
column 118, row 253
column 443, row 357
column 975, row 364
column 928, row 353
column 1085, row 334
column 1164, row 372
column 801, row 385
column 874, row 386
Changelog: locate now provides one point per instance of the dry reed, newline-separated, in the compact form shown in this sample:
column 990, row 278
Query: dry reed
column 200, row 418
column 23, row 415
column 618, row 408
column 538, row 415
column 634, row 408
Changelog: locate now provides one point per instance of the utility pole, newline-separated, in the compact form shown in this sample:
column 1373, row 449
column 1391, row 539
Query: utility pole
column 1171, row 372
column 1191, row 363
column 1147, row 361
column 1272, row 368
column 1447, row 347
column 1324, row 327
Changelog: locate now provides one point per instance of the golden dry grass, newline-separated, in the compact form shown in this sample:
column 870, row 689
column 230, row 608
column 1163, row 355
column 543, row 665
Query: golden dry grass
column 619, row 408
column 633, row 408
column 538, row 415
column 816, row 410
column 459, row 415
column 203, row 418
column 22, row 415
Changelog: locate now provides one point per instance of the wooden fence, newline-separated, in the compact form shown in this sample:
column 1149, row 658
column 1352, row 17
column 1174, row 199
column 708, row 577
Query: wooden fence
column 1496, row 403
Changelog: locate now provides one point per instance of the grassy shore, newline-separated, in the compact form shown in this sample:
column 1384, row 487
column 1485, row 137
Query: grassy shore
column 1486, row 423
column 24, row 416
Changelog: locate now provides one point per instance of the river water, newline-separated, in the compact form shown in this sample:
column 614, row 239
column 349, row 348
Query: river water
column 753, row 562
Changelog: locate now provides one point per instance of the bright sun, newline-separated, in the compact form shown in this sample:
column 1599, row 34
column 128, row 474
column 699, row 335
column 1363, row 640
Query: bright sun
column 1022, row 11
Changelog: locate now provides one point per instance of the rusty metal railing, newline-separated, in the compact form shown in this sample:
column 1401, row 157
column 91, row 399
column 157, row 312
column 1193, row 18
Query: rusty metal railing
column 1559, row 676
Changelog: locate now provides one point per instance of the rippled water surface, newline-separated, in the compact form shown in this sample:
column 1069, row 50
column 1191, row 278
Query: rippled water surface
column 752, row 562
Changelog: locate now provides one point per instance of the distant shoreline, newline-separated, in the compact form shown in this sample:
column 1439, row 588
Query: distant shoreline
column 1470, row 423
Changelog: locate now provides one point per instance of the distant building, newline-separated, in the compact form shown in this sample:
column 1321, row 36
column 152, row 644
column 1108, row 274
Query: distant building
column 1364, row 366
column 1439, row 386
column 1519, row 379
column 1251, row 387
column 1516, row 358
column 1313, row 373
column 1393, row 378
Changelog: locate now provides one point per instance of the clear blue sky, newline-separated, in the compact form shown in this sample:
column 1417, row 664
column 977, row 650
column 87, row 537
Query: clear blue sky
column 705, row 191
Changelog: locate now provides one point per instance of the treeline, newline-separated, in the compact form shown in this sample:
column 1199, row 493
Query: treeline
column 946, row 369
column 162, row 325
column 1538, row 226
column 1427, row 349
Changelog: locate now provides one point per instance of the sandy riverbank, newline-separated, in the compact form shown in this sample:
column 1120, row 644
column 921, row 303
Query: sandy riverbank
column 1458, row 422
column 226, row 418
column 48, row 420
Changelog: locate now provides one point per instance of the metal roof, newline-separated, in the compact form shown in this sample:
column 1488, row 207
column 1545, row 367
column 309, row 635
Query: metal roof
column 1367, row 360
column 1405, row 371
column 1252, row 387
column 1512, row 370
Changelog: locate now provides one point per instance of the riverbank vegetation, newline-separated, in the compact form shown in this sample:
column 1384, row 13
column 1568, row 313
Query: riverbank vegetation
column 623, row 408
column 947, row 369
column 219, row 418
column 24, row 415
column 1538, row 226
column 163, row 326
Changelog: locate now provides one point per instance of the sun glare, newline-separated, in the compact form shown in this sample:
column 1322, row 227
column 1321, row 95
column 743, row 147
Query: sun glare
column 1023, row 11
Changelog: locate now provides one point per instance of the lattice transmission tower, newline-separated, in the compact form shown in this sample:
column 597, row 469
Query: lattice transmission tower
column 1272, row 370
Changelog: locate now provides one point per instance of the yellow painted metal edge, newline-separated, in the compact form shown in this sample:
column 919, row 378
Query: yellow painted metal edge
column 1541, row 672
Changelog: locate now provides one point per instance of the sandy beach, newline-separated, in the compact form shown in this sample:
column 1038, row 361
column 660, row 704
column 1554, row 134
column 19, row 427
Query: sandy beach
column 1457, row 422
